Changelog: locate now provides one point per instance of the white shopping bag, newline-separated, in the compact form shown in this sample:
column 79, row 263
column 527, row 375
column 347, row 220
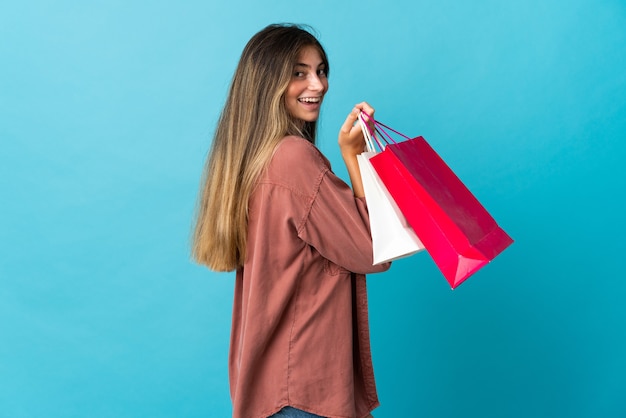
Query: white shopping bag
column 392, row 236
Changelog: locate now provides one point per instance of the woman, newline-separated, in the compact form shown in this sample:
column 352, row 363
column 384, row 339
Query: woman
column 298, row 237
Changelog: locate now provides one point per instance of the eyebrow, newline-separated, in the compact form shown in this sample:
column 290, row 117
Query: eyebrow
column 300, row 64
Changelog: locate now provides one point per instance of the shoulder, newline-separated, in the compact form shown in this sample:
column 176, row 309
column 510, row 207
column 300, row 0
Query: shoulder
column 297, row 165
column 294, row 154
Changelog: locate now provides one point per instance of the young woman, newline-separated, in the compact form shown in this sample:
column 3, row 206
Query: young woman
column 297, row 236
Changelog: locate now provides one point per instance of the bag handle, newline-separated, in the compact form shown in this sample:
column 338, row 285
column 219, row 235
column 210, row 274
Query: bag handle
column 382, row 125
column 369, row 136
column 380, row 129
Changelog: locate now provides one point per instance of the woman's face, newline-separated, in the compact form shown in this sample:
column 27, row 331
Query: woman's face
column 307, row 87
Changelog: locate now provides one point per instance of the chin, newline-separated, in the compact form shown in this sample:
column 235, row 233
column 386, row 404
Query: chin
column 310, row 118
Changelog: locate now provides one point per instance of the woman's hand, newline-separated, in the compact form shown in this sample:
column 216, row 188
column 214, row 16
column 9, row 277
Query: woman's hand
column 352, row 143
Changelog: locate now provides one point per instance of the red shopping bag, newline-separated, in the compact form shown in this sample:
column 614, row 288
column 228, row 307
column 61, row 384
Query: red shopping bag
column 457, row 231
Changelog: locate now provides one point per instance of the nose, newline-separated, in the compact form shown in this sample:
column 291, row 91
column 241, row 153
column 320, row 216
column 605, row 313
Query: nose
column 315, row 83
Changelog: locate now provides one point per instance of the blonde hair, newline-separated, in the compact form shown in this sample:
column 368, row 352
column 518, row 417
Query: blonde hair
column 251, row 125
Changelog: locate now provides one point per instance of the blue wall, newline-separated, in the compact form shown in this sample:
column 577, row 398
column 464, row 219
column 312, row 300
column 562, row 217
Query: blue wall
column 106, row 114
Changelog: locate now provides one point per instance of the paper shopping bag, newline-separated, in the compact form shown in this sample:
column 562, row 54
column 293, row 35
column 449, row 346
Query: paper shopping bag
column 392, row 236
column 459, row 234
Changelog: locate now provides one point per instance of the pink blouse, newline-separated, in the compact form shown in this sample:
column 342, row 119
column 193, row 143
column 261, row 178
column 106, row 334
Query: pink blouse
column 300, row 333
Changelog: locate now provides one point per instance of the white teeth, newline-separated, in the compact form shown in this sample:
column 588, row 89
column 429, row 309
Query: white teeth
column 309, row 99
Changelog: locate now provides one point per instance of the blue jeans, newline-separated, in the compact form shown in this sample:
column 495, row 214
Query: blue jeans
column 289, row 412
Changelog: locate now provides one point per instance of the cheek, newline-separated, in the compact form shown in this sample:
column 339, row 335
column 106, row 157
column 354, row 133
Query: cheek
column 293, row 90
column 289, row 92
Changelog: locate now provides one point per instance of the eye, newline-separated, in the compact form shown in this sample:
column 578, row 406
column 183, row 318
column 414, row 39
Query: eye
column 298, row 74
column 322, row 72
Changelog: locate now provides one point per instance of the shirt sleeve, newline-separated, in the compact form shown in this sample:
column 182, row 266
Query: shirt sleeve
column 337, row 226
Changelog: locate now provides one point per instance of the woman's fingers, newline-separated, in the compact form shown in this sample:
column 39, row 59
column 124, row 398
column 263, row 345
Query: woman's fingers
column 350, row 120
column 352, row 117
column 350, row 135
column 365, row 107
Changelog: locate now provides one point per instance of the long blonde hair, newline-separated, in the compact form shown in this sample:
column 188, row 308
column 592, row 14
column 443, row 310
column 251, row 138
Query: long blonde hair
column 251, row 125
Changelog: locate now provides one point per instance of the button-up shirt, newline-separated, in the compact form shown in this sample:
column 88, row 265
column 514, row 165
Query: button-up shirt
column 300, row 333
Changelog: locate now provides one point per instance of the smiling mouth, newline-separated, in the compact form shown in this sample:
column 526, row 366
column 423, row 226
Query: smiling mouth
column 310, row 99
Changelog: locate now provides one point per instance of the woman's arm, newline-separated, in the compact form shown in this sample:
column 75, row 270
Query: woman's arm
column 352, row 143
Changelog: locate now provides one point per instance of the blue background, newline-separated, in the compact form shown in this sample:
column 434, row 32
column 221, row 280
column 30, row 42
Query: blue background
column 106, row 114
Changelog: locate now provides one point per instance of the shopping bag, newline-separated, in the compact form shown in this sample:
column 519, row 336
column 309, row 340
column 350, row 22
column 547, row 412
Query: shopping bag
column 392, row 236
column 458, row 232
